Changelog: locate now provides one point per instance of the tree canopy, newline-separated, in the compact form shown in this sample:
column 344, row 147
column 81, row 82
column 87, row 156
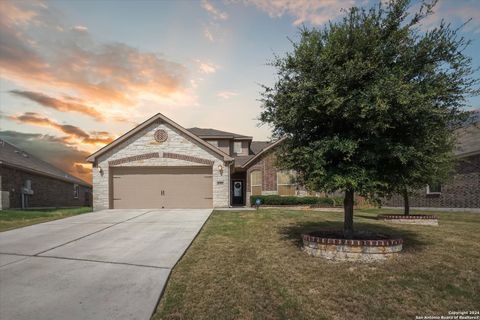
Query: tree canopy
column 367, row 104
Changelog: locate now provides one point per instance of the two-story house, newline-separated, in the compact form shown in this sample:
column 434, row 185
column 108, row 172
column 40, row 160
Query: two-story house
column 160, row 164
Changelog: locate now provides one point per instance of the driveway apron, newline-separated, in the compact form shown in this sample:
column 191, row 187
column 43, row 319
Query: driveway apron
column 110, row 264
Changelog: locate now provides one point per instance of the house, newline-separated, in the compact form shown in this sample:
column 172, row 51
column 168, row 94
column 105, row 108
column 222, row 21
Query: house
column 28, row 182
column 463, row 189
column 160, row 164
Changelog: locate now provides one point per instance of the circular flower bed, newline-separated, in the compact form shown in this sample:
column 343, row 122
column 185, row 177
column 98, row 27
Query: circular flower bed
column 366, row 246
column 425, row 219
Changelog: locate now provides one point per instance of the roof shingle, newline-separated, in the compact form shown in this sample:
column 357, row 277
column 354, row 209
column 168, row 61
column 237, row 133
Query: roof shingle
column 213, row 133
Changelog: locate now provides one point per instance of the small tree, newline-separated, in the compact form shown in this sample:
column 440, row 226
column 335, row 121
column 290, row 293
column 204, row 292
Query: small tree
column 433, row 165
column 351, row 98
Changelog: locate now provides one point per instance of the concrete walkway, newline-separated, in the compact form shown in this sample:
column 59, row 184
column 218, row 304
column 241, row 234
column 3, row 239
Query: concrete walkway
column 110, row 264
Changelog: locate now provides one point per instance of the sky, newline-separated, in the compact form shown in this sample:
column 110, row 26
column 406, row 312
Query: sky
column 75, row 74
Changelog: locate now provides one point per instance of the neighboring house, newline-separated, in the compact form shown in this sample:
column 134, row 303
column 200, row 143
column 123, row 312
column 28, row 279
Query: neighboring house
column 463, row 189
column 28, row 182
column 160, row 164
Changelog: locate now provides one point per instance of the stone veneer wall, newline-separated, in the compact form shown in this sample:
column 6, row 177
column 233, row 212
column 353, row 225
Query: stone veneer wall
column 143, row 142
column 463, row 191
column 48, row 192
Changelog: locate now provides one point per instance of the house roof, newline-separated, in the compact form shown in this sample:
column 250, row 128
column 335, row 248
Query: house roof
column 148, row 122
column 468, row 141
column 267, row 146
column 12, row 156
column 241, row 160
column 206, row 133
column 257, row 146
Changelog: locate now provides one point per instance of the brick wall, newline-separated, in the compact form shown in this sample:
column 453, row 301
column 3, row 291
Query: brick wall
column 48, row 192
column 462, row 191
column 266, row 164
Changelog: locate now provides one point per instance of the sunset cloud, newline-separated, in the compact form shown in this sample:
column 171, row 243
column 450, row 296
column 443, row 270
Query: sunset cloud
column 73, row 132
column 15, row 15
column 68, row 104
column 314, row 12
column 213, row 11
column 80, row 28
column 208, row 34
column 52, row 150
column 226, row 94
column 206, row 67
column 36, row 51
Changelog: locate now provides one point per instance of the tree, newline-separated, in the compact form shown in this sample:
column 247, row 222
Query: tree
column 351, row 99
column 413, row 171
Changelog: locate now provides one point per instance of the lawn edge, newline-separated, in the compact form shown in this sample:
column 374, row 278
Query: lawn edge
column 178, row 261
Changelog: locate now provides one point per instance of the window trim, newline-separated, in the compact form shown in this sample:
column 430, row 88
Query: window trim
column 291, row 172
column 256, row 185
column 434, row 192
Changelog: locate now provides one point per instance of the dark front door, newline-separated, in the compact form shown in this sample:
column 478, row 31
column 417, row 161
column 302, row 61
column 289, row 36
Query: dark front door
column 237, row 193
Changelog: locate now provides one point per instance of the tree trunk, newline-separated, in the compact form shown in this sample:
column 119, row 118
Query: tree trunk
column 348, row 212
column 406, row 203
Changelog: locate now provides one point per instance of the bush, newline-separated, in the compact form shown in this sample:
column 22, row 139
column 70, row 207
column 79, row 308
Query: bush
column 339, row 201
column 292, row 200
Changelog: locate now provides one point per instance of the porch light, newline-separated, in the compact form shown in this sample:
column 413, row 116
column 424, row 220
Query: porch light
column 220, row 168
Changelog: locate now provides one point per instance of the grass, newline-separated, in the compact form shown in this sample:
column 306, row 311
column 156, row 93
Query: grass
column 248, row 265
column 11, row 219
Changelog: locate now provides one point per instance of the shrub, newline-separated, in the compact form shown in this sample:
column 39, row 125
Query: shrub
column 292, row 200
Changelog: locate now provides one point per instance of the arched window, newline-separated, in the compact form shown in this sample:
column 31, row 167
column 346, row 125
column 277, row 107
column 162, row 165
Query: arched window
column 286, row 185
column 256, row 183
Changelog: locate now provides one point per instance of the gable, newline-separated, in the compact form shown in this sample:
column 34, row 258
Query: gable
column 143, row 128
column 144, row 148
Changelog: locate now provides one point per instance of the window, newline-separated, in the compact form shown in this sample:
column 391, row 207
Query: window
column 28, row 184
column 286, row 183
column 237, row 147
column 434, row 188
column 76, row 191
column 256, row 183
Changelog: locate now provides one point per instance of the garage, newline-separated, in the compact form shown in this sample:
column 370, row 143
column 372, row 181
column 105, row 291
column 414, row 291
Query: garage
column 161, row 187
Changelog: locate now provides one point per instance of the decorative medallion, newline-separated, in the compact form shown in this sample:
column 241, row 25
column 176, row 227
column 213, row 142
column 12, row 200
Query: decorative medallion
column 160, row 135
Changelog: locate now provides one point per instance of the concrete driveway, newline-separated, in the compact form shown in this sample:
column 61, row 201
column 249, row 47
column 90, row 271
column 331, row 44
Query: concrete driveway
column 110, row 264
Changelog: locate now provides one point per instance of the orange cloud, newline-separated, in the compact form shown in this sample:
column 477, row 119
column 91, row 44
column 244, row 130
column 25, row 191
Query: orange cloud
column 97, row 137
column 15, row 15
column 37, row 51
column 73, row 132
column 60, row 105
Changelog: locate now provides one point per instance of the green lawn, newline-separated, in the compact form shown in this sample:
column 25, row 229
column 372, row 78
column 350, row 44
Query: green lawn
column 11, row 219
column 248, row 265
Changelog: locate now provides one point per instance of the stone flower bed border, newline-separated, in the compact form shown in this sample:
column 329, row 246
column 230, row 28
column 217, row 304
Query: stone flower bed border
column 424, row 219
column 351, row 250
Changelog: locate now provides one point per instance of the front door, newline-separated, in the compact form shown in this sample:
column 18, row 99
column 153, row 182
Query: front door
column 237, row 193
